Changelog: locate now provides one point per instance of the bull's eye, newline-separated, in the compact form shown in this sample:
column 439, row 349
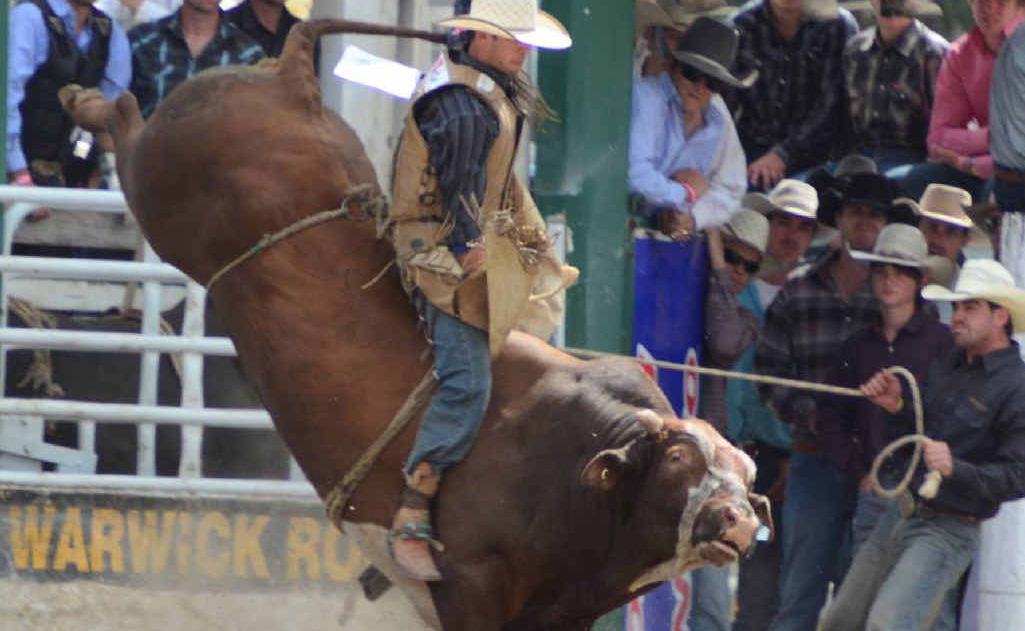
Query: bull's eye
column 676, row 456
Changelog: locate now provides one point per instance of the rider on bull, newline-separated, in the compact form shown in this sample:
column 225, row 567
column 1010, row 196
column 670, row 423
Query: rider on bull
column 469, row 240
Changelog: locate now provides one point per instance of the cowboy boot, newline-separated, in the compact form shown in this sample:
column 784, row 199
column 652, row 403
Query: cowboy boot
column 411, row 538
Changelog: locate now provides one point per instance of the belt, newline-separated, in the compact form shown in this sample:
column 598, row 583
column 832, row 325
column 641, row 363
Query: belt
column 1009, row 176
column 805, row 447
column 924, row 511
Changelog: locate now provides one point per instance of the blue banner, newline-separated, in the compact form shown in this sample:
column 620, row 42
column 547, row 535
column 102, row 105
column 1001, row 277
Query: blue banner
column 669, row 296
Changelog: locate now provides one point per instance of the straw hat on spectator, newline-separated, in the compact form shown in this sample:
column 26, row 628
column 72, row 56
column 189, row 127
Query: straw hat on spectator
column 897, row 244
column 984, row 279
column 518, row 20
column 792, row 197
column 749, row 227
column 820, row 9
column 943, row 203
column 678, row 14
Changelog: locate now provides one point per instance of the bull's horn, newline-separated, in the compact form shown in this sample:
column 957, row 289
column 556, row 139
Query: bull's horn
column 650, row 421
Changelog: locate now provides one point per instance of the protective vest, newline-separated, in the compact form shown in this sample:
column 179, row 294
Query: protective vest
column 519, row 257
column 45, row 127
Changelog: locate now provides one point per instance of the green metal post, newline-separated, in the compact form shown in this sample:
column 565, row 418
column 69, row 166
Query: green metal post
column 582, row 162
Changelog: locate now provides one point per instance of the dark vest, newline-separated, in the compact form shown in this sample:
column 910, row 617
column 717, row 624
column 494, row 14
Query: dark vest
column 45, row 127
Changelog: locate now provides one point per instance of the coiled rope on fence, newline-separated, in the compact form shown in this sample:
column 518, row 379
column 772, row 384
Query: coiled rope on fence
column 927, row 490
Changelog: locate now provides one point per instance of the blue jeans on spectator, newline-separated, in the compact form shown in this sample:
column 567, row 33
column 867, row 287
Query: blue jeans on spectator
column 893, row 162
column 758, row 575
column 710, row 604
column 902, row 575
column 1010, row 197
column 818, row 506
column 462, row 364
column 870, row 510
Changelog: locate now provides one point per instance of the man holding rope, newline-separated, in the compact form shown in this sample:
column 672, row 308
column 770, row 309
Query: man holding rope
column 974, row 413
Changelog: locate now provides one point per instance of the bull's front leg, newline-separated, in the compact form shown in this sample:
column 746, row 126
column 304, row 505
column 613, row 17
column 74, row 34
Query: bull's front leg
column 472, row 596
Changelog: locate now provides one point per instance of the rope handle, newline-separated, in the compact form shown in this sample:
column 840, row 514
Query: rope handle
column 928, row 489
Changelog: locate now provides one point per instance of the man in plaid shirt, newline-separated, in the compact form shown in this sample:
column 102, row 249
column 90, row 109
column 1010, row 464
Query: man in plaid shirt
column 801, row 338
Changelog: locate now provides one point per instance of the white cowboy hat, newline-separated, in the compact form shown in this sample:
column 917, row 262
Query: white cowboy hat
column 984, row 279
column 897, row 244
column 942, row 203
column 678, row 14
column 749, row 227
column 518, row 20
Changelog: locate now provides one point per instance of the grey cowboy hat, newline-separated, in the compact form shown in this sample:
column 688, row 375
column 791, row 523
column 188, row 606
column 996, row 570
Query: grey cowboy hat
column 711, row 47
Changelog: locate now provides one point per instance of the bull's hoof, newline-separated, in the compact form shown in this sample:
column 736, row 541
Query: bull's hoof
column 413, row 556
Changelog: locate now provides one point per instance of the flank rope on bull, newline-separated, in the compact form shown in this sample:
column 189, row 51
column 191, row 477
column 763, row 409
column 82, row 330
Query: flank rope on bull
column 366, row 196
column 928, row 489
column 337, row 501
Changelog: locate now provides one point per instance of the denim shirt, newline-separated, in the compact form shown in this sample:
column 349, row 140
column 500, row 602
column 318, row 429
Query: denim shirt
column 660, row 147
column 978, row 409
column 28, row 48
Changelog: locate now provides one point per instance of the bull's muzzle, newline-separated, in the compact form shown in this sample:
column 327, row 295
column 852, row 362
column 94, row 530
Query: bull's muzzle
column 725, row 530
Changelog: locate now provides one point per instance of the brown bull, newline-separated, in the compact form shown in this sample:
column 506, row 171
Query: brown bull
column 582, row 489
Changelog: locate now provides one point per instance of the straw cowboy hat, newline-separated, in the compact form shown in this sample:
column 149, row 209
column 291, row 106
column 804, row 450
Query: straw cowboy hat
column 898, row 244
column 518, row 20
column 678, row 14
column 984, row 279
column 943, row 203
column 749, row 227
column 711, row 47
column 820, row 9
column 910, row 8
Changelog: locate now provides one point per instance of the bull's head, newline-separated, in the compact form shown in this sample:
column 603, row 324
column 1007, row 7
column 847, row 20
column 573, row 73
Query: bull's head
column 703, row 480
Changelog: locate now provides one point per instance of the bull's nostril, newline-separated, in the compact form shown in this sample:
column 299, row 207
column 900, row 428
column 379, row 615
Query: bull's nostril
column 730, row 516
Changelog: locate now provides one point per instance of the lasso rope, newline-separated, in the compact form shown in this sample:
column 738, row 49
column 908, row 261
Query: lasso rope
column 928, row 489
column 365, row 195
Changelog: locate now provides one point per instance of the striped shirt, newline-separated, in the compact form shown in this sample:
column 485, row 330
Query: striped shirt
column 890, row 89
column 1007, row 127
column 798, row 96
column 801, row 339
column 460, row 130
column 161, row 59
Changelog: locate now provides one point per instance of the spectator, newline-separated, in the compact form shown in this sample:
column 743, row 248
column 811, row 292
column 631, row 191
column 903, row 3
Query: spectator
column 195, row 37
column 791, row 211
column 660, row 24
column 677, row 140
column 53, row 43
column 266, row 21
column 943, row 220
column 891, row 71
column 974, row 407
column 959, row 130
column 853, row 432
column 787, row 119
column 803, row 330
column 1007, row 145
column 131, row 13
column 730, row 329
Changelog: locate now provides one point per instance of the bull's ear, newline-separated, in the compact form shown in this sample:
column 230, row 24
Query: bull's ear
column 605, row 470
column 763, row 510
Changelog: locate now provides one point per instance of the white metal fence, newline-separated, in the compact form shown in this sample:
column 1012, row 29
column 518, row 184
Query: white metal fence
column 22, row 449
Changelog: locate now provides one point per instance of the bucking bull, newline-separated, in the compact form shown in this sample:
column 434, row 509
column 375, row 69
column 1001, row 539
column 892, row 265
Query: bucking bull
column 582, row 490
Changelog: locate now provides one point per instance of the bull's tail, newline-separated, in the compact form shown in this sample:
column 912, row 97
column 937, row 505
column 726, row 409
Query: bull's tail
column 296, row 60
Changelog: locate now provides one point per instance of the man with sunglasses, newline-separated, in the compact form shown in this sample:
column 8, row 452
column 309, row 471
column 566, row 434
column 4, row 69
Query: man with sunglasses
column 685, row 162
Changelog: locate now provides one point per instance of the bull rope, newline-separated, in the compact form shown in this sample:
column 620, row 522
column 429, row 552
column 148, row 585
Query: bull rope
column 928, row 489
column 337, row 501
column 371, row 202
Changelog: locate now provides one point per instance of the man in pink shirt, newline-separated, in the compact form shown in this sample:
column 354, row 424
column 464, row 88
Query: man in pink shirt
column 958, row 138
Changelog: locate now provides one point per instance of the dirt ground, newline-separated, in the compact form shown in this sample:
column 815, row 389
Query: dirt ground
column 95, row 606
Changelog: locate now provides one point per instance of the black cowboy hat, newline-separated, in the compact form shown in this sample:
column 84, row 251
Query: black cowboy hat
column 711, row 47
column 861, row 188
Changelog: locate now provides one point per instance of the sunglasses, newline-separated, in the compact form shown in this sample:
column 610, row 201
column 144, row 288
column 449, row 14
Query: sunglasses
column 734, row 259
column 692, row 74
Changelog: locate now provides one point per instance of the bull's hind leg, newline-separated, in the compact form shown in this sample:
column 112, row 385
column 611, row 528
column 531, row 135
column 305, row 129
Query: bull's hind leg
column 472, row 596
